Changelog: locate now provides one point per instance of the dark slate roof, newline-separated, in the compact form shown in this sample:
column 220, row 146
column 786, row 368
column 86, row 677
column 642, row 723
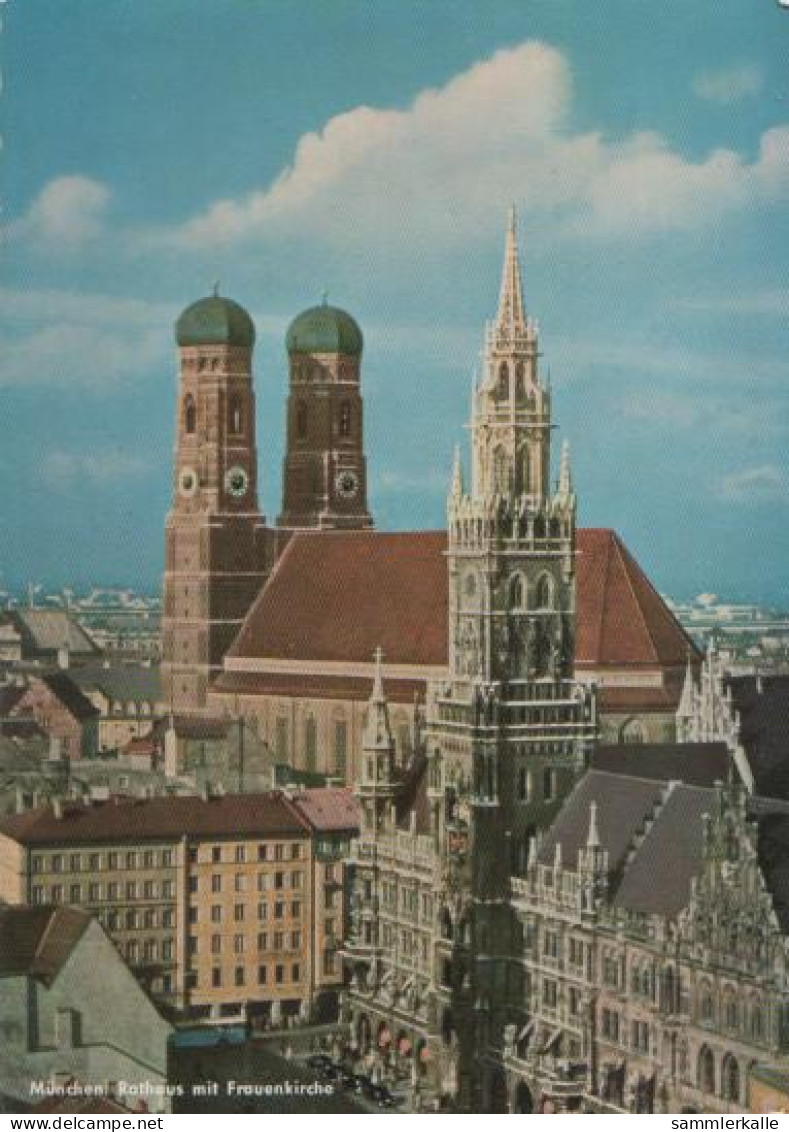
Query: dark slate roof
column 121, row 682
column 697, row 764
column 145, row 819
column 772, row 818
column 764, row 729
column 38, row 941
column 624, row 804
column 658, row 873
column 48, row 630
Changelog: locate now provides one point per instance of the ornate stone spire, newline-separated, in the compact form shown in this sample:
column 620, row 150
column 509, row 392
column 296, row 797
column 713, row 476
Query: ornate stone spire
column 378, row 733
column 511, row 318
column 457, row 474
column 565, row 479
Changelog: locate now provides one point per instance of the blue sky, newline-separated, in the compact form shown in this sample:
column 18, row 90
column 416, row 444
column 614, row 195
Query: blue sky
column 373, row 148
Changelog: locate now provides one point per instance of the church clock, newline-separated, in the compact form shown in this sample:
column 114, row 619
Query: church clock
column 236, row 481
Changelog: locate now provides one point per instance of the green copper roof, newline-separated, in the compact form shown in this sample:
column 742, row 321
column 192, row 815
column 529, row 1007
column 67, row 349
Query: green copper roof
column 324, row 330
column 215, row 321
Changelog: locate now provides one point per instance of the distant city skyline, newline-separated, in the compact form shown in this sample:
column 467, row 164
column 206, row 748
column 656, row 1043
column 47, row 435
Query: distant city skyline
column 149, row 150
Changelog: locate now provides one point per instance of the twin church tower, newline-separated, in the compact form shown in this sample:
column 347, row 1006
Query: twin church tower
column 218, row 549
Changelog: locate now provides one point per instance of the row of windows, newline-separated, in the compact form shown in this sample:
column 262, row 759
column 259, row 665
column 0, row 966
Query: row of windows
column 239, row 914
column 96, row 892
column 149, row 951
column 216, row 978
column 235, row 407
column 238, row 854
column 132, row 919
column 265, row 881
column 527, row 788
column 96, row 862
column 276, row 941
column 344, row 422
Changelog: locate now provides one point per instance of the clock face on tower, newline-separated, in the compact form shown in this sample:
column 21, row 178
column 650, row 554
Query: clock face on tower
column 187, row 481
column 236, row 481
column 347, row 484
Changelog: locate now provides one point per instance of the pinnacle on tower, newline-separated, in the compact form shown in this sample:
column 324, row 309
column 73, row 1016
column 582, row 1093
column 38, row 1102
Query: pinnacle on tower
column 593, row 837
column 378, row 733
column 511, row 317
column 565, row 479
column 457, row 474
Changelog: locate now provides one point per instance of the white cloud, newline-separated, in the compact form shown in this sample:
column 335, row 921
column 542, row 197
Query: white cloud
column 667, row 409
column 69, row 212
column 80, row 355
column 446, row 168
column 762, row 484
column 729, row 84
column 61, row 470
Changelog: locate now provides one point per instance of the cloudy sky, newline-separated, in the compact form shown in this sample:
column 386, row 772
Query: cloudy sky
column 372, row 147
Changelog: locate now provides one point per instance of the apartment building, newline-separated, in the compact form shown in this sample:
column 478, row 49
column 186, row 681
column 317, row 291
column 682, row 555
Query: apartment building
column 217, row 904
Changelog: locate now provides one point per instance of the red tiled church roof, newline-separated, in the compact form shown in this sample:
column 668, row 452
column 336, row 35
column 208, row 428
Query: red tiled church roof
column 337, row 596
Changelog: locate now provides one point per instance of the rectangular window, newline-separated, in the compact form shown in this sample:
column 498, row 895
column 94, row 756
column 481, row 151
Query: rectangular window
column 263, row 882
column 167, row 858
column 75, row 893
column 262, row 852
column 112, row 860
column 191, row 854
column 75, row 864
column 216, row 944
column 279, row 910
column 57, row 863
column 262, row 911
column 216, row 854
column 167, row 949
column 131, row 890
column 295, row 851
column 191, row 945
column 240, row 978
column 238, row 944
column 279, row 880
column 57, row 893
column 94, row 891
column 240, row 882
column 549, row 994
column 296, row 879
column 147, row 859
column 279, row 940
column 216, row 882
column 216, row 977
column 295, row 972
column 149, row 890
column 548, row 784
column 279, row 973
column 328, row 963
column 112, row 890
column 193, row 884
column 262, row 941
column 574, row 1002
column 241, row 854
column 94, row 862
column 193, row 915
column 38, row 864
column 131, row 860
column 216, row 913
column 262, row 974
column 295, row 940
column 295, row 909
column 238, row 913
column 279, row 852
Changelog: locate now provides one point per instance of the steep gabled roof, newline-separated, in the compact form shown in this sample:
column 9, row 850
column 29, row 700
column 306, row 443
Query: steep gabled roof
column 329, row 808
column 338, row 595
column 63, row 687
column 38, row 941
column 622, row 619
column 48, row 630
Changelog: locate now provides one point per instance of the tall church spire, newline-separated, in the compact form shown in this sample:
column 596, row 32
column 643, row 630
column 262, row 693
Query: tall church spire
column 511, row 318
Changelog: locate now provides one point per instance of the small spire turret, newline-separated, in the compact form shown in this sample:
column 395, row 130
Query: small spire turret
column 511, row 319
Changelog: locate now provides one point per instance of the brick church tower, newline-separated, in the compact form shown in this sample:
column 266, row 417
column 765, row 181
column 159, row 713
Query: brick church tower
column 215, row 539
column 325, row 474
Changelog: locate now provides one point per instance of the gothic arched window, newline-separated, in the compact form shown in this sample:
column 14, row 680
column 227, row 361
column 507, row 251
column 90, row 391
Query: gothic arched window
column 504, row 380
column 301, row 420
column 500, row 471
column 310, row 744
column 345, row 418
column 517, row 593
column 235, row 416
column 730, row 1078
column 524, row 470
column 520, row 389
column 706, row 1070
column 190, row 414
column 543, row 595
